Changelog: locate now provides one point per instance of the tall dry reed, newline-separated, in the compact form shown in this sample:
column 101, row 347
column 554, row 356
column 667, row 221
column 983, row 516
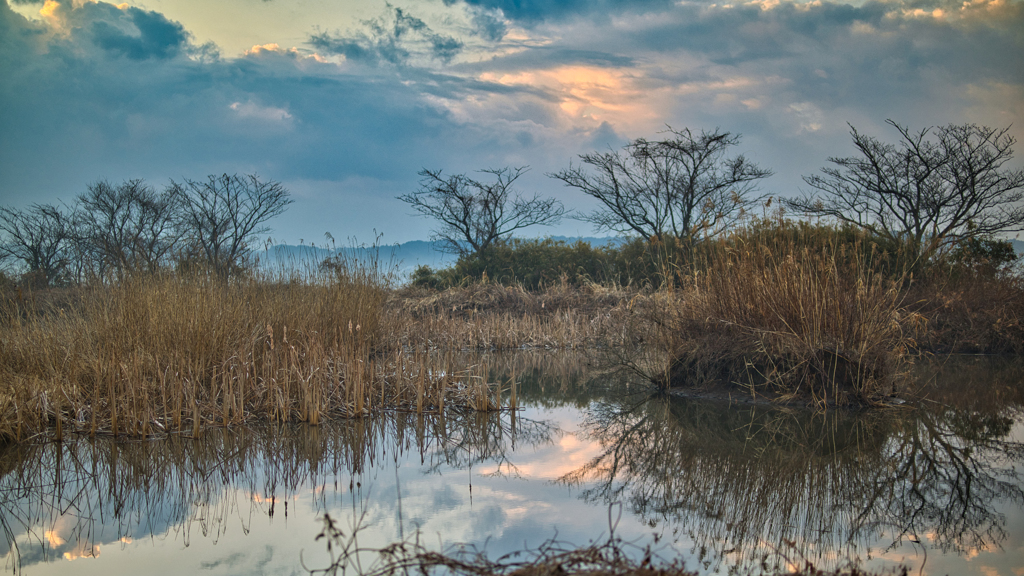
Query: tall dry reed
column 181, row 352
column 488, row 316
column 820, row 323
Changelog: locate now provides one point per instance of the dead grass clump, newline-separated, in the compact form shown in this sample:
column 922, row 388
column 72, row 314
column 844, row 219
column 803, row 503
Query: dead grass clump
column 496, row 317
column 970, row 313
column 179, row 353
column 799, row 322
column 511, row 299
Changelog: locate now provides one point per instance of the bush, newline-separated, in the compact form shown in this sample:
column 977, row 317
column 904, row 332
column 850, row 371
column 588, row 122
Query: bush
column 7, row 283
column 426, row 277
column 533, row 264
column 651, row 262
column 983, row 256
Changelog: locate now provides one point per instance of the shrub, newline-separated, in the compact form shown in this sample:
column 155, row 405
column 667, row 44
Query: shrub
column 982, row 256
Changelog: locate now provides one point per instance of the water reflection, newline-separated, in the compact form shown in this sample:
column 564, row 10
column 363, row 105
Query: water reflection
column 757, row 485
column 71, row 500
column 733, row 485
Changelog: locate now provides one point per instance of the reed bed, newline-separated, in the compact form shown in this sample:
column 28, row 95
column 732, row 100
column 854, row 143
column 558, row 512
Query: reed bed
column 497, row 317
column 179, row 353
column 785, row 321
column 824, row 322
column 970, row 312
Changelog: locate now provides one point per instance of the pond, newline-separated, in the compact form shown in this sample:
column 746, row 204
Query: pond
column 934, row 484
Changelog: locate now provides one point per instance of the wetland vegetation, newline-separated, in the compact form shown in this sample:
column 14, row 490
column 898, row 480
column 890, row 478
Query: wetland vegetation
column 779, row 310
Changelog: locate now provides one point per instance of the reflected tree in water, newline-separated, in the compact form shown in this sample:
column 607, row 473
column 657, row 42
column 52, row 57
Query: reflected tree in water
column 747, row 484
column 67, row 499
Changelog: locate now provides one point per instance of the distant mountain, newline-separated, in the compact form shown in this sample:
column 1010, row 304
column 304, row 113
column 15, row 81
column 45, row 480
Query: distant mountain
column 403, row 257
column 594, row 241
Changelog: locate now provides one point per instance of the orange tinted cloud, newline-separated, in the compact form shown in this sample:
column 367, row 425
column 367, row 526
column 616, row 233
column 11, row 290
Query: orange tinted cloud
column 611, row 95
column 83, row 550
column 569, row 454
column 50, row 10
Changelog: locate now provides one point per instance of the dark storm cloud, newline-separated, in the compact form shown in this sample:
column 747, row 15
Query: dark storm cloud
column 534, row 11
column 137, row 34
column 394, row 37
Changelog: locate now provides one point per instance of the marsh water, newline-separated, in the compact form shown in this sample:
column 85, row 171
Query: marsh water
column 934, row 484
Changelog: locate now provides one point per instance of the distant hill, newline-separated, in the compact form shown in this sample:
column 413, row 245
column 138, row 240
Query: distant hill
column 403, row 257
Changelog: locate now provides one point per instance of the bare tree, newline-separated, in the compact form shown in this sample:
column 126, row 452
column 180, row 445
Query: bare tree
column 683, row 185
column 221, row 217
column 39, row 238
column 126, row 228
column 932, row 189
column 474, row 214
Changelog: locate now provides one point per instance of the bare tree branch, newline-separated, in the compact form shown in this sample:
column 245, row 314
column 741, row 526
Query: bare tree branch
column 222, row 216
column 935, row 188
column 474, row 214
column 683, row 185
column 126, row 228
column 38, row 237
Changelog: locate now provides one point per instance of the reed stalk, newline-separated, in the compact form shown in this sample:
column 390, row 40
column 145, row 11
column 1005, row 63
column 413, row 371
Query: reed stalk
column 787, row 321
column 177, row 352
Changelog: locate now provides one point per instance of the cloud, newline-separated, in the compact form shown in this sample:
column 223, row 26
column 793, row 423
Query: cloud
column 250, row 110
column 96, row 91
column 135, row 33
column 489, row 24
column 534, row 11
column 396, row 37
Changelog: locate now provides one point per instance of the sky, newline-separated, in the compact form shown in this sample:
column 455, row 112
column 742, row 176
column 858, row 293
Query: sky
column 345, row 101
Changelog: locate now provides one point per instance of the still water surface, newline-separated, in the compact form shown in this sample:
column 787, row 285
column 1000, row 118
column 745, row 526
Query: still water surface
column 725, row 485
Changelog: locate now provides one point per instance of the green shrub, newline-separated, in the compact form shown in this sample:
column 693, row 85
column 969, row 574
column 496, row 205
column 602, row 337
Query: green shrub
column 426, row 277
column 983, row 256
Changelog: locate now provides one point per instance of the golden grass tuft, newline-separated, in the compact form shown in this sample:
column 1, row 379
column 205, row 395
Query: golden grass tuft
column 179, row 353
column 790, row 321
column 497, row 317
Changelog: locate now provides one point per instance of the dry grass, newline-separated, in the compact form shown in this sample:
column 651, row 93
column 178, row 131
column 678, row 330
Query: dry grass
column 497, row 317
column 179, row 353
column 970, row 313
column 790, row 322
